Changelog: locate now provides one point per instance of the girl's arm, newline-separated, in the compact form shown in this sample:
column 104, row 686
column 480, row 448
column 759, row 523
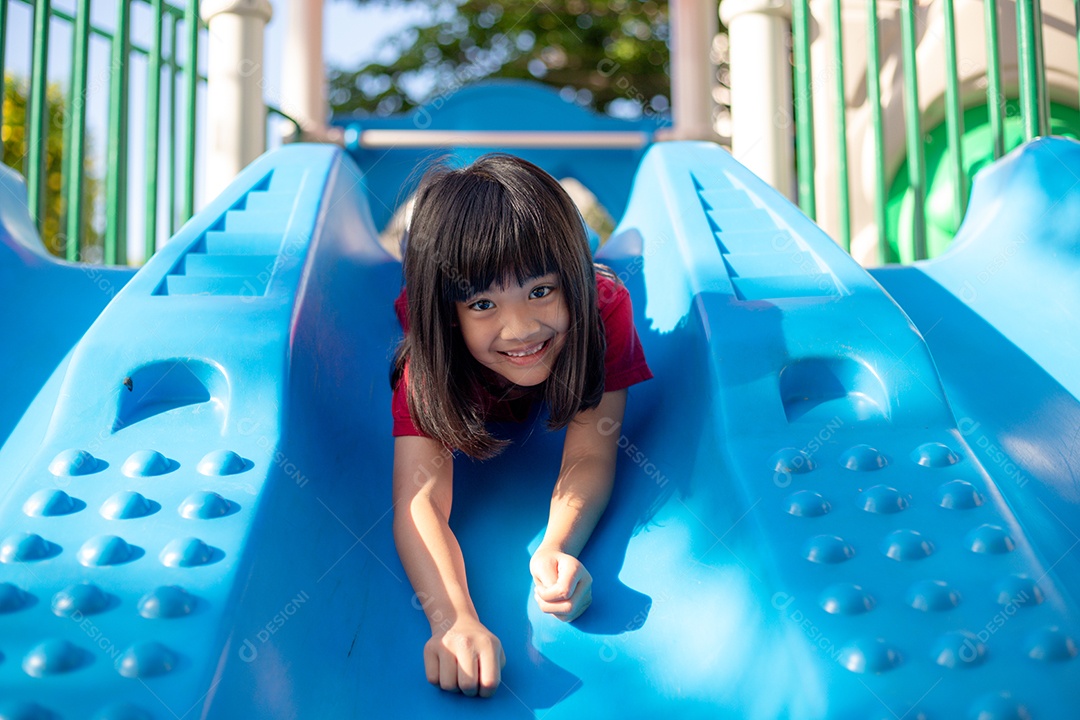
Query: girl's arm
column 462, row 654
column 563, row 585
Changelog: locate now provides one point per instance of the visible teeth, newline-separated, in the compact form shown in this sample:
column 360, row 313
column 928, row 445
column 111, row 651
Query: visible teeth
column 530, row 351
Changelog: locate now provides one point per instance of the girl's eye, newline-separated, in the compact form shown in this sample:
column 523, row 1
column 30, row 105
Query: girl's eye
column 542, row 291
column 481, row 305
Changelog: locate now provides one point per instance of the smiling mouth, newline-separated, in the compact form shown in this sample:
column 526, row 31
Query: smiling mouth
column 527, row 352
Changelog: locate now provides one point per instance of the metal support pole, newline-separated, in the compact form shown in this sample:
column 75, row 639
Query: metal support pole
column 693, row 26
column 761, row 108
column 236, row 112
column 303, row 81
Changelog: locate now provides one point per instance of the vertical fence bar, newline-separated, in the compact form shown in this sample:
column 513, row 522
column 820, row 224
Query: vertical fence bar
column 116, row 186
column 873, row 90
column 995, row 100
column 191, row 25
column 913, row 127
column 65, row 148
column 77, row 131
column 37, row 117
column 170, row 162
column 841, row 126
column 153, row 128
column 1030, row 104
column 804, row 106
column 1040, row 68
column 954, row 114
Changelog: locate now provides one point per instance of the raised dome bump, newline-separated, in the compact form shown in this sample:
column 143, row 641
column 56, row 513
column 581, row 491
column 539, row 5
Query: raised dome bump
column 25, row 711
column 24, row 547
column 869, row 655
column 958, row 495
column 12, row 598
column 1051, row 644
column 863, row 458
column 146, row 463
column 73, row 462
column 53, row 657
column 84, row 598
column 127, row 505
column 106, row 550
column 827, row 549
column 204, row 505
column 221, row 462
column 906, row 545
column 186, row 552
column 167, row 601
column 998, row 706
column 846, row 599
column 932, row 595
column 934, row 455
column 806, row 503
column 50, row 502
column 146, row 659
column 1019, row 590
column 959, row 649
column 989, row 539
column 883, row 500
column 791, row 461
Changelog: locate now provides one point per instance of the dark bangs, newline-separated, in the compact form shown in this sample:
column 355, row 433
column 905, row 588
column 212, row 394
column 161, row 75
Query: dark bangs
column 498, row 230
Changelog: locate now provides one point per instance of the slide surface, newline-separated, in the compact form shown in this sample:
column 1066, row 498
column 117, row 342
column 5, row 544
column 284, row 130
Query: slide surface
column 196, row 509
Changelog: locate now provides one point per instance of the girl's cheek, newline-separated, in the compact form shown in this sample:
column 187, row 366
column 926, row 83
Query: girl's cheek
column 562, row 318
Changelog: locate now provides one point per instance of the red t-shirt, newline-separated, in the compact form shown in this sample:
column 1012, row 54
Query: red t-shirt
column 624, row 360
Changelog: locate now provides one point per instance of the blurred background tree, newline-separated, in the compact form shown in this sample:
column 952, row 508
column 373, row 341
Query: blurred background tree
column 610, row 55
column 13, row 134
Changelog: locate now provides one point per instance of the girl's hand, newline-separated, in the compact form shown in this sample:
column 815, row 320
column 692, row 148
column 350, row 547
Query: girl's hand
column 465, row 658
column 563, row 585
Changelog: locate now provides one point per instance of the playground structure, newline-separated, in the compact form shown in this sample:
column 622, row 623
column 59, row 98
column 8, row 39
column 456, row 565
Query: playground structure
column 896, row 107
column 1062, row 93
column 805, row 526
column 846, row 493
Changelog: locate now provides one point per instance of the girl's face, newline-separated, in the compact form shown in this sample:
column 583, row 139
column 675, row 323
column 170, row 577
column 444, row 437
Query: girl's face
column 516, row 330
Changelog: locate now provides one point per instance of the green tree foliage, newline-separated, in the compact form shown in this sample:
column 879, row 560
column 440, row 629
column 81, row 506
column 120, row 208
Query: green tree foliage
column 606, row 54
column 14, row 132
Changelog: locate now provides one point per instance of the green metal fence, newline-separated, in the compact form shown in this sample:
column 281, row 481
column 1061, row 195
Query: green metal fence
column 1033, row 100
column 174, row 67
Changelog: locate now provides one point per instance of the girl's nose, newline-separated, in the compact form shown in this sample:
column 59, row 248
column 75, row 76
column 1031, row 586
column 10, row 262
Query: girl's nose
column 520, row 327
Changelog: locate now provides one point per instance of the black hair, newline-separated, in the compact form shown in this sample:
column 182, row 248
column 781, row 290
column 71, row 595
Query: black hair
column 496, row 219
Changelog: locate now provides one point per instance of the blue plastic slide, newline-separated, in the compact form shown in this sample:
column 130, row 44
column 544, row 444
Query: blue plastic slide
column 826, row 506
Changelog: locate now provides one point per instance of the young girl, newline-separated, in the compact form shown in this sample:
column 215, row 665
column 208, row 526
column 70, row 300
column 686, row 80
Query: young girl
column 502, row 307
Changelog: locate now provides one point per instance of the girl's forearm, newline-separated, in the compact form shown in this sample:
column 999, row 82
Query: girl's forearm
column 433, row 561
column 580, row 497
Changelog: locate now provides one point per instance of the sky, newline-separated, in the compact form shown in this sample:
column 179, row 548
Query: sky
column 351, row 36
